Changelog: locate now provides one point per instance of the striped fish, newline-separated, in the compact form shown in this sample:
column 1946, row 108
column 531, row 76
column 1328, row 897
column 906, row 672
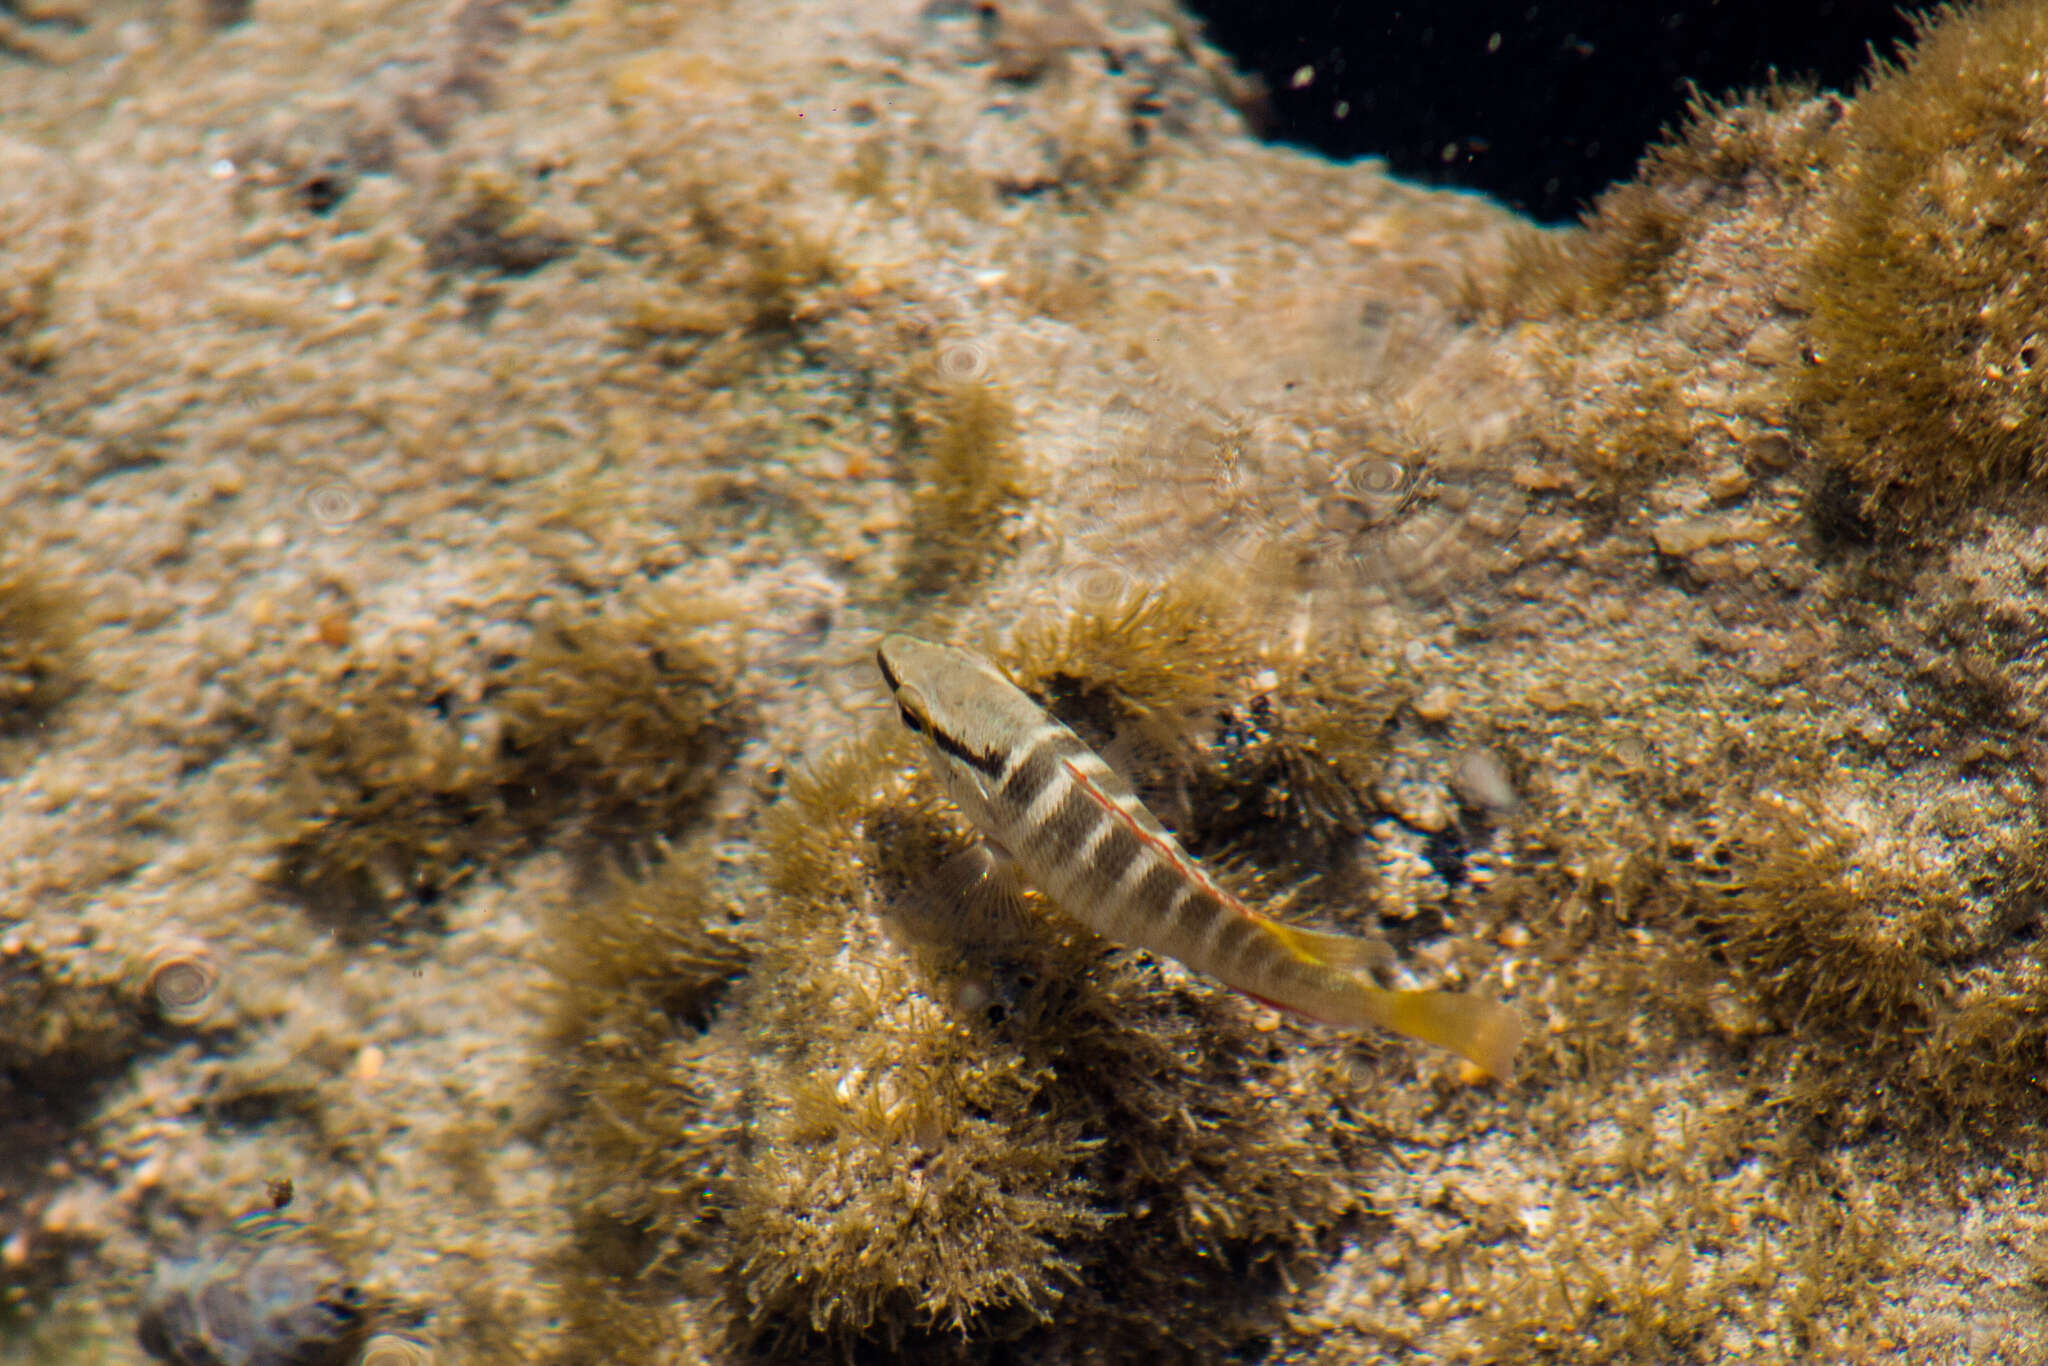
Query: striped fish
column 1079, row 833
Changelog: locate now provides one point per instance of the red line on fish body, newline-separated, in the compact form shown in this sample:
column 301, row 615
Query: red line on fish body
column 1164, row 845
column 1201, row 949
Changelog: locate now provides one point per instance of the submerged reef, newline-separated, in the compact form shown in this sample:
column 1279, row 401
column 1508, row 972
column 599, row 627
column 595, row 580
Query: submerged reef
column 455, row 489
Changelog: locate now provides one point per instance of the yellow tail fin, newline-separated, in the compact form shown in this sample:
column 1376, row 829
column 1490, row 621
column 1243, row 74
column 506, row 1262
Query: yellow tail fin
column 1485, row 1032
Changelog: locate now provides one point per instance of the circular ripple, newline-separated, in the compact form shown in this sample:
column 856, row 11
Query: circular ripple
column 257, row 1293
column 962, row 360
column 1368, row 491
column 1336, row 497
column 1094, row 585
column 180, row 983
column 335, row 503
column 396, row 1349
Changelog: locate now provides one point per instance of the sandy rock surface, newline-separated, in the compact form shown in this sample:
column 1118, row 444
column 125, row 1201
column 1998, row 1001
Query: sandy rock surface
column 347, row 350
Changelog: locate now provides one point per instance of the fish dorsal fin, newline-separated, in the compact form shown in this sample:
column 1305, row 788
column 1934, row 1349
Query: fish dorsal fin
column 1345, row 952
column 1156, row 761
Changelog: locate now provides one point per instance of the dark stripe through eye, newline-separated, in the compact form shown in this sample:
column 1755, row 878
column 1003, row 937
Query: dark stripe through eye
column 888, row 674
column 910, row 720
column 988, row 762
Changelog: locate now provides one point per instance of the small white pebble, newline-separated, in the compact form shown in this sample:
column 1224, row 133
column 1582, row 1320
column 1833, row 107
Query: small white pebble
column 224, row 479
column 148, row 1175
column 1435, row 705
column 1481, row 779
column 1728, row 482
column 972, row 997
column 1431, row 817
column 70, row 1215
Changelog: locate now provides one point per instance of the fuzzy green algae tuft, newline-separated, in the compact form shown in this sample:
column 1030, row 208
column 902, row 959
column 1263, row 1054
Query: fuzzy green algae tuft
column 968, row 475
column 993, row 1124
column 407, row 778
column 1928, row 287
column 642, row 971
column 1910, row 989
column 620, row 719
column 39, row 649
column 1625, row 259
column 391, row 808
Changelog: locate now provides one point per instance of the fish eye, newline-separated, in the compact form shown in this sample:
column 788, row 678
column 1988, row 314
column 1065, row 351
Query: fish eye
column 911, row 708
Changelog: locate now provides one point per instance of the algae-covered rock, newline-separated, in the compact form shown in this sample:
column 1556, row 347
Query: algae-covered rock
column 1926, row 290
column 460, row 459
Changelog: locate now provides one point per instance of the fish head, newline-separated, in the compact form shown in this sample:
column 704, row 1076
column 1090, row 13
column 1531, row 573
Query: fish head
column 908, row 666
column 967, row 714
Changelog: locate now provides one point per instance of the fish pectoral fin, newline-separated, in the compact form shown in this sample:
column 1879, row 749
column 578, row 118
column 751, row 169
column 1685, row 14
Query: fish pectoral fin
column 1485, row 1033
column 1345, row 952
column 976, row 896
